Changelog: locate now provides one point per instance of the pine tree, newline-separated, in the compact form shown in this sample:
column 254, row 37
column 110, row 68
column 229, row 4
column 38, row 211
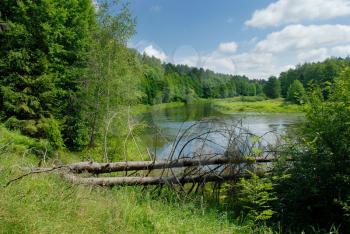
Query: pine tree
column 42, row 56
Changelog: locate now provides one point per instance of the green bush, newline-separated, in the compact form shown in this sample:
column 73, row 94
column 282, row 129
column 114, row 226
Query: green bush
column 319, row 184
column 51, row 131
column 253, row 198
column 14, row 141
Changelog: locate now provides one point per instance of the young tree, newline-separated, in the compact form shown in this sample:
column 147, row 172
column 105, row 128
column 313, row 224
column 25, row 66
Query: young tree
column 296, row 92
column 112, row 80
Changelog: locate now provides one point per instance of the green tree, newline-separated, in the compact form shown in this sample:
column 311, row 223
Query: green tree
column 42, row 58
column 112, row 80
column 296, row 92
column 272, row 88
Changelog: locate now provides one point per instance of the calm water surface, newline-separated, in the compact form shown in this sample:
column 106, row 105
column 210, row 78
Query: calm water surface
column 167, row 125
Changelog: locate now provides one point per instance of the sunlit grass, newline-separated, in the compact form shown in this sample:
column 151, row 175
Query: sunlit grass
column 232, row 105
column 45, row 203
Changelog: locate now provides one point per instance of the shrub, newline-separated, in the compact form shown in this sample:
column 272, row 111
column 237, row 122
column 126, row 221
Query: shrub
column 51, row 131
column 319, row 184
column 254, row 197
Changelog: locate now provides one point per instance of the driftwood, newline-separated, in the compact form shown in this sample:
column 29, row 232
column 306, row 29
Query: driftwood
column 99, row 168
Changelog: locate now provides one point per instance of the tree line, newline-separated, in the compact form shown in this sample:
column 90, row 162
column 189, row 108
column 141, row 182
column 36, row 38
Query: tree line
column 166, row 82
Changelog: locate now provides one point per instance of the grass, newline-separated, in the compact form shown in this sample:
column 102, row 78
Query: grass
column 45, row 203
column 233, row 105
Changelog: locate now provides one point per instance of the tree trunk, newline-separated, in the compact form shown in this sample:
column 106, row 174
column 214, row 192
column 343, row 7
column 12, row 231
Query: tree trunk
column 99, row 168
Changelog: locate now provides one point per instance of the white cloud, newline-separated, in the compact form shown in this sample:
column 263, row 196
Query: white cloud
column 228, row 47
column 298, row 37
column 254, row 64
column 313, row 55
column 341, row 51
column 296, row 11
column 151, row 51
column 219, row 64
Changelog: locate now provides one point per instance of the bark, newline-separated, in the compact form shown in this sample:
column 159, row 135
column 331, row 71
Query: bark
column 99, row 168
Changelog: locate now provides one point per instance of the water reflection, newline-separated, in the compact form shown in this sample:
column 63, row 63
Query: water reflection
column 167, row 125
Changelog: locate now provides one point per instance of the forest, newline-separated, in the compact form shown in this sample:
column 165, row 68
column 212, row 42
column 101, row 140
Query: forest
column 70, row 90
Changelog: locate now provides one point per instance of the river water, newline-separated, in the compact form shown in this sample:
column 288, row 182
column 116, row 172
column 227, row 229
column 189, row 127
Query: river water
column 167, row 128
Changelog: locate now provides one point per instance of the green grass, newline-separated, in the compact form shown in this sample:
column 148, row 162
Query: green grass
column 233, row 105
column 45, row 203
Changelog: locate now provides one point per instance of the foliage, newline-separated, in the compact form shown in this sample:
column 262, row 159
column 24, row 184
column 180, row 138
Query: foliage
column 113, row 74
column 51, row 129
column 272, row 88
column 15, row 142
column 319, row 178
column 254, row 197
column 42, row 57
column 313, row 73
column 172, row 83
column 296, row 92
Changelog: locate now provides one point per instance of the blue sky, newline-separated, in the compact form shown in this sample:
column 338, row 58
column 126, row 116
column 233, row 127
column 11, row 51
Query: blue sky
column 257, row 38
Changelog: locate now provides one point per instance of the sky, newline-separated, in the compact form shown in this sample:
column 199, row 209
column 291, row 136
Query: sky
column 257, row 38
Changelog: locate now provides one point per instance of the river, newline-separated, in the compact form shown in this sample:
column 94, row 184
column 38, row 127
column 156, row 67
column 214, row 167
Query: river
column 167, row 126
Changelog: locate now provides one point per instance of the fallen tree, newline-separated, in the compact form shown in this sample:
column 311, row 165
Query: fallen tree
column 99, row 168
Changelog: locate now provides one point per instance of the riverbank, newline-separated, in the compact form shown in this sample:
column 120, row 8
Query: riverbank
column 233, row 105
column 237, row 104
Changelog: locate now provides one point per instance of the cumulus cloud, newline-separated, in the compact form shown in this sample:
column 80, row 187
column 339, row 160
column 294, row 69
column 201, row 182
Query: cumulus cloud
column 342, row 51
column 228, row 47
column 297, row 37
column 296, row 11
column 220, row 64
column 254, row 64
column 313, row 55
column 151, row 51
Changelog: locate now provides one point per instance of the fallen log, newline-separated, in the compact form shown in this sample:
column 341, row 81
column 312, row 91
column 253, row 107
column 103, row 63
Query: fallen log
column 113, row 181
column 99, row 168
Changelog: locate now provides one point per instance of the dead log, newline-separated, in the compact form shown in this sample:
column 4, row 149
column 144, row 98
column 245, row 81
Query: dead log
column 113, row 181
column 99, row 168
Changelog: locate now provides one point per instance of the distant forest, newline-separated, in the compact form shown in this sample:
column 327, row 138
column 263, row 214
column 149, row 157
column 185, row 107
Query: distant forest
column 168, row 82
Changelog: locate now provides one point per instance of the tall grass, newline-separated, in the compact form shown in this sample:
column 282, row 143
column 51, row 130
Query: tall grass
column 255, row 105
column 45, row 203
